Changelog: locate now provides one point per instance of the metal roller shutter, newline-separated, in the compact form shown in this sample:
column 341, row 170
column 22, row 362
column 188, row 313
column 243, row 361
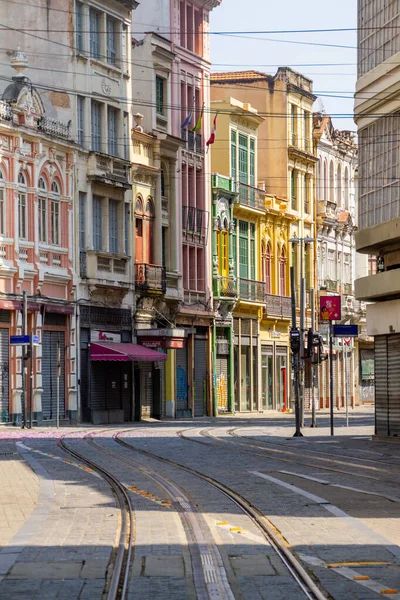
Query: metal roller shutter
column 146, row 388
column 182, row 386
column 222, row 383
column 200, row 377
column 98, row 374
column 50, row 342
column 4, row 375
column 381, row 377
column 393, row 384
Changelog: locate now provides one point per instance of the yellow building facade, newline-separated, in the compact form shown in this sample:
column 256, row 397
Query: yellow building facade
column 285, row 176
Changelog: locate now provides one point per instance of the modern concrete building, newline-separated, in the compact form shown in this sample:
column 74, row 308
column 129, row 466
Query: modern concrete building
column 377, row 114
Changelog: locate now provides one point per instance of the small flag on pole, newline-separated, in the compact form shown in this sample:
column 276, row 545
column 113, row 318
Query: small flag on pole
column 211, row 139
column 188, row 120
column 197, row 127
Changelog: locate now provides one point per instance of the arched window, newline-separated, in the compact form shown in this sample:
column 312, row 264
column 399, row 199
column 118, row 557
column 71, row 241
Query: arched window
column 320, row 180
column 2, row 204
column 339, row 185
column 22, row 208
column 331, row 182
column 42, row 209
column 346, row 188
column 55, row 213
column 266, row 267
column 325, row 197
column 282, row 273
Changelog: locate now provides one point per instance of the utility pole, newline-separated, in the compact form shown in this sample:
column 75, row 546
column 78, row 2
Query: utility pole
column 295, row 347
column 24, row 357
column 331, row 372
column 313, row 366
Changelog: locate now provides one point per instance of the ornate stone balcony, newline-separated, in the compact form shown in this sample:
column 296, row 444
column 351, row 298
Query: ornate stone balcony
column 150, row 279
column 5, row 111
column 109, row 170
column 112, row 268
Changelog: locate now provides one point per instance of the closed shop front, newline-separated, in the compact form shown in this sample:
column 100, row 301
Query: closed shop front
column 146, row 389
column 4, row 375
column 367, row 376
column 182, row 382
column 53, row 378
column 267, row 370
column 246, row 364
column 222, row 370
column 200, row 375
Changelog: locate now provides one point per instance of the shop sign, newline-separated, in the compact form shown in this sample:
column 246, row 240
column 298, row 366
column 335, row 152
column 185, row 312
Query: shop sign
column 330, row 308
column 104, row 336
column 151, row 342
column 174, row 343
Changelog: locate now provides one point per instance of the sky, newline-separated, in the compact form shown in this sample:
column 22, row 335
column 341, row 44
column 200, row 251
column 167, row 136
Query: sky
column 334, row 73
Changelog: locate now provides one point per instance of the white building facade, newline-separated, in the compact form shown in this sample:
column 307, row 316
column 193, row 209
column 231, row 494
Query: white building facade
column 336, row 256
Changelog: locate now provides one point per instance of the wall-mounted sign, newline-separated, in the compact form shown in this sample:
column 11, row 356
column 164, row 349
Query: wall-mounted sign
column 104, row 336
column 330, row 308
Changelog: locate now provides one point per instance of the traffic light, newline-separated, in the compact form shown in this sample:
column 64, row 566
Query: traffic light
column 295, row 341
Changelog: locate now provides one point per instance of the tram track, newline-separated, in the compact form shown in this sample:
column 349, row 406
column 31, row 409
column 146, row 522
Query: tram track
column 297, row 571
column 118, row 585
column 289, row 456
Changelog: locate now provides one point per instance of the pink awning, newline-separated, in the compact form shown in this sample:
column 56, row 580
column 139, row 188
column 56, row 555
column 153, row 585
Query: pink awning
column 115, row 351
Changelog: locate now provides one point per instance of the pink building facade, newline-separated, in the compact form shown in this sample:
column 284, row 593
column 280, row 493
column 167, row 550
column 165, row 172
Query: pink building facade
column 185, row 92
column 36, row 254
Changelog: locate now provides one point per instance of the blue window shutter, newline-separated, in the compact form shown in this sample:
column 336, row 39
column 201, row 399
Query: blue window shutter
column 113, row 225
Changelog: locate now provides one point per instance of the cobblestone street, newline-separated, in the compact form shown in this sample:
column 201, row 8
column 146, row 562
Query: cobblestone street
column 334, row 503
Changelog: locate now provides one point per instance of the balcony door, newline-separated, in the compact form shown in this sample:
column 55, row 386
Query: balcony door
column 144, row 217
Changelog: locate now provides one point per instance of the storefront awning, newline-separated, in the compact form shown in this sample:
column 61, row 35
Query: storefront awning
column 116, row 351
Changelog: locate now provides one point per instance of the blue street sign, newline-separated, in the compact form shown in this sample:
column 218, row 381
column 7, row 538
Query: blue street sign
column 20, row 340
column 24, row 340
column 345, row 330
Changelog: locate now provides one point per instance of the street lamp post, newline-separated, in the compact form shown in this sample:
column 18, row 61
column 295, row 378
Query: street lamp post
column 302, row 241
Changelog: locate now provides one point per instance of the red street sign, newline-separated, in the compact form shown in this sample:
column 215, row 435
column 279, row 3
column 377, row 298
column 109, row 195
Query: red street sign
column 330, row 308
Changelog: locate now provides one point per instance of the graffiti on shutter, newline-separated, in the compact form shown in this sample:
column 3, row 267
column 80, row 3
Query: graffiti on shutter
column 182, row 387
column 146, row 388
column 4, row 376
column 222, row 383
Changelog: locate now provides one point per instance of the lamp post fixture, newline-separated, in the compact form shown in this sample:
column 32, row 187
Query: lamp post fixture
column 301, row 241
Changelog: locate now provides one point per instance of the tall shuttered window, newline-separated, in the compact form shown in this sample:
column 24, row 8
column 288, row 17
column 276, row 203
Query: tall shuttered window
column 112, row 28
column 233, row 155
column 234, row 248
column 112, row 126
column 113, row 226
column 243, row 249
column 126, row 136
column 80, row 115
column 94, row 20
column 243, row 158
column 126, row 226
column 97, row 223
column 2, row 205
column 160, row 95
column 252, row 251
column 42, row 208
column 252, row 162
column 96, row 126
column 82, row 221
column 79, row 29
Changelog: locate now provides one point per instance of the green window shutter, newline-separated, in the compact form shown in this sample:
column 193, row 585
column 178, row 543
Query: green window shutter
column 243, row 158
column 233, row 156
column 252, row 251
column 159, row 95
column 252, row 162
column 234, row 251
column 243, row 249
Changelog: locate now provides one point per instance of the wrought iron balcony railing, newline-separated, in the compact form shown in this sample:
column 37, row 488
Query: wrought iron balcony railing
column 194, row 221
column 249, row 289
column 150, row 278
column 54, row 127
column 348, row 289
column 278, row 306
column 225, row 287
column 251, row 196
